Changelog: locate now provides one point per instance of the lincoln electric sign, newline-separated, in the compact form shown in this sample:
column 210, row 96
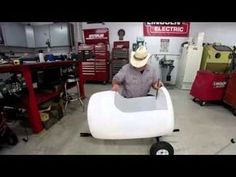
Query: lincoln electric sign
column 180, row 29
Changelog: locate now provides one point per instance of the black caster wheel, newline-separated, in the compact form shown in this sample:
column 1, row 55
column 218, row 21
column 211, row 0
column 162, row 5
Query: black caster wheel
column 232, row 141
column 194, row 100
column 161, row 148
column 202, row 103
column 104, row 82
column 12, row 139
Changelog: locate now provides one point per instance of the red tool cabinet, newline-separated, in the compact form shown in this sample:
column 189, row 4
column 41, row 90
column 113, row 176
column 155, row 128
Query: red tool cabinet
column 230, row 93
column 97, row 67
column 120, row 56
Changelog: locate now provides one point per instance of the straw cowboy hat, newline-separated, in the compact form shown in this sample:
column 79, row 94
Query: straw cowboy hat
column 140, row 57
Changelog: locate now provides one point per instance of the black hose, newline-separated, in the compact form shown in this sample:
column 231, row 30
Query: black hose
column 183, row 44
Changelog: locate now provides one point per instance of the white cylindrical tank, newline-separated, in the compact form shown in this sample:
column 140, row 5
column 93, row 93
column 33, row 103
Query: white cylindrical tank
column 111, row 116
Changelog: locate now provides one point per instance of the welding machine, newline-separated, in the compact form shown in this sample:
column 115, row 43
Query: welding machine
column 209, row 86
column 216, row 58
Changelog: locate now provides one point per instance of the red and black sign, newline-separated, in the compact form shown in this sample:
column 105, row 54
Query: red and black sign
column 177, row 29
column 95, row 36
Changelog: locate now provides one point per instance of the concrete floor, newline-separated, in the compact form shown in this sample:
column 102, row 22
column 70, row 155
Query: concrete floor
column 203, row 130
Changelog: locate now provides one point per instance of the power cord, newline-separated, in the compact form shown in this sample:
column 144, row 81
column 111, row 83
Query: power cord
column 232, row 141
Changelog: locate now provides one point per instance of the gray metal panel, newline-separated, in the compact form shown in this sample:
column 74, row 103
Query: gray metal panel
column 138, row 104
column 14, row 34
column 30, row 36
column 41, row 35
column 59, row 34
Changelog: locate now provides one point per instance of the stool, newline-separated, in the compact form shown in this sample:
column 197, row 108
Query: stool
column 70, row 97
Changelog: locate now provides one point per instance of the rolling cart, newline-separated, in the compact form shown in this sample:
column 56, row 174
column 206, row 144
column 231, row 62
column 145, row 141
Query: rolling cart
column 208, row 86
column 113, row 117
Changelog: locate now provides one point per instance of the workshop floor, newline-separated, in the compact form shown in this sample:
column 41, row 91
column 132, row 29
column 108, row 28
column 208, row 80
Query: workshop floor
column 203, row 130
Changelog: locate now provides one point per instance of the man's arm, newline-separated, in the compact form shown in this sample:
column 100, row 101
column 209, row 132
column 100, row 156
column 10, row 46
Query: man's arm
column 118, row 79
column 156, row 81
column 115, row 85
column 156, row 85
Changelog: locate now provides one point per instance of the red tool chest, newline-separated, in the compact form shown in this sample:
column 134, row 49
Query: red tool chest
column 209, row 86
column 97, row 67
column 230, row 93
column 120, row 56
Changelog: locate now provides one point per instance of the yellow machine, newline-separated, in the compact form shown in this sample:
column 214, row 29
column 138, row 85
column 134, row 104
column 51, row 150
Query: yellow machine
column 216, row 58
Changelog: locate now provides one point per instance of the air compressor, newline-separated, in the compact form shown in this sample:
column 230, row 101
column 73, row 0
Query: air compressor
column 167, row 67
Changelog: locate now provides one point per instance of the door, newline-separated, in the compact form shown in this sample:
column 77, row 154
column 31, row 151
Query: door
column 59, row 34
column 41, row 35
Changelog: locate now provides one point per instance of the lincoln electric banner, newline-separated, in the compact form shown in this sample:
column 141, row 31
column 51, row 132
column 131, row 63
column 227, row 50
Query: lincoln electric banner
column 178, row 29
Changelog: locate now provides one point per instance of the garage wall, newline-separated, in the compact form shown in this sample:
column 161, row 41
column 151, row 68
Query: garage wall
column 214, row 32
column 222, row 32
column 134, row 30
column 17, row 50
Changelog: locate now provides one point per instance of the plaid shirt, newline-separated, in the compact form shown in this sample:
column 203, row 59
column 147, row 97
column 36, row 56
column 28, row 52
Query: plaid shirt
column 135, row 83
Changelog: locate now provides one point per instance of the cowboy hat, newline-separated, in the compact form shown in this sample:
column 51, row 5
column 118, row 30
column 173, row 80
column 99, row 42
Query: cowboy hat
column 140, row 57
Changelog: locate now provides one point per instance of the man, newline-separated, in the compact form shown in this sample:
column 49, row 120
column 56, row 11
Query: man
column 137, row 77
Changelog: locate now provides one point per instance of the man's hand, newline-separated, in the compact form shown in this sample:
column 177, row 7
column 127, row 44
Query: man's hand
column 115, row 87
column 158, row 85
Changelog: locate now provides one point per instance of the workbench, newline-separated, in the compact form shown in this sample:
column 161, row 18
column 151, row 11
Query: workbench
column 33, row 99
